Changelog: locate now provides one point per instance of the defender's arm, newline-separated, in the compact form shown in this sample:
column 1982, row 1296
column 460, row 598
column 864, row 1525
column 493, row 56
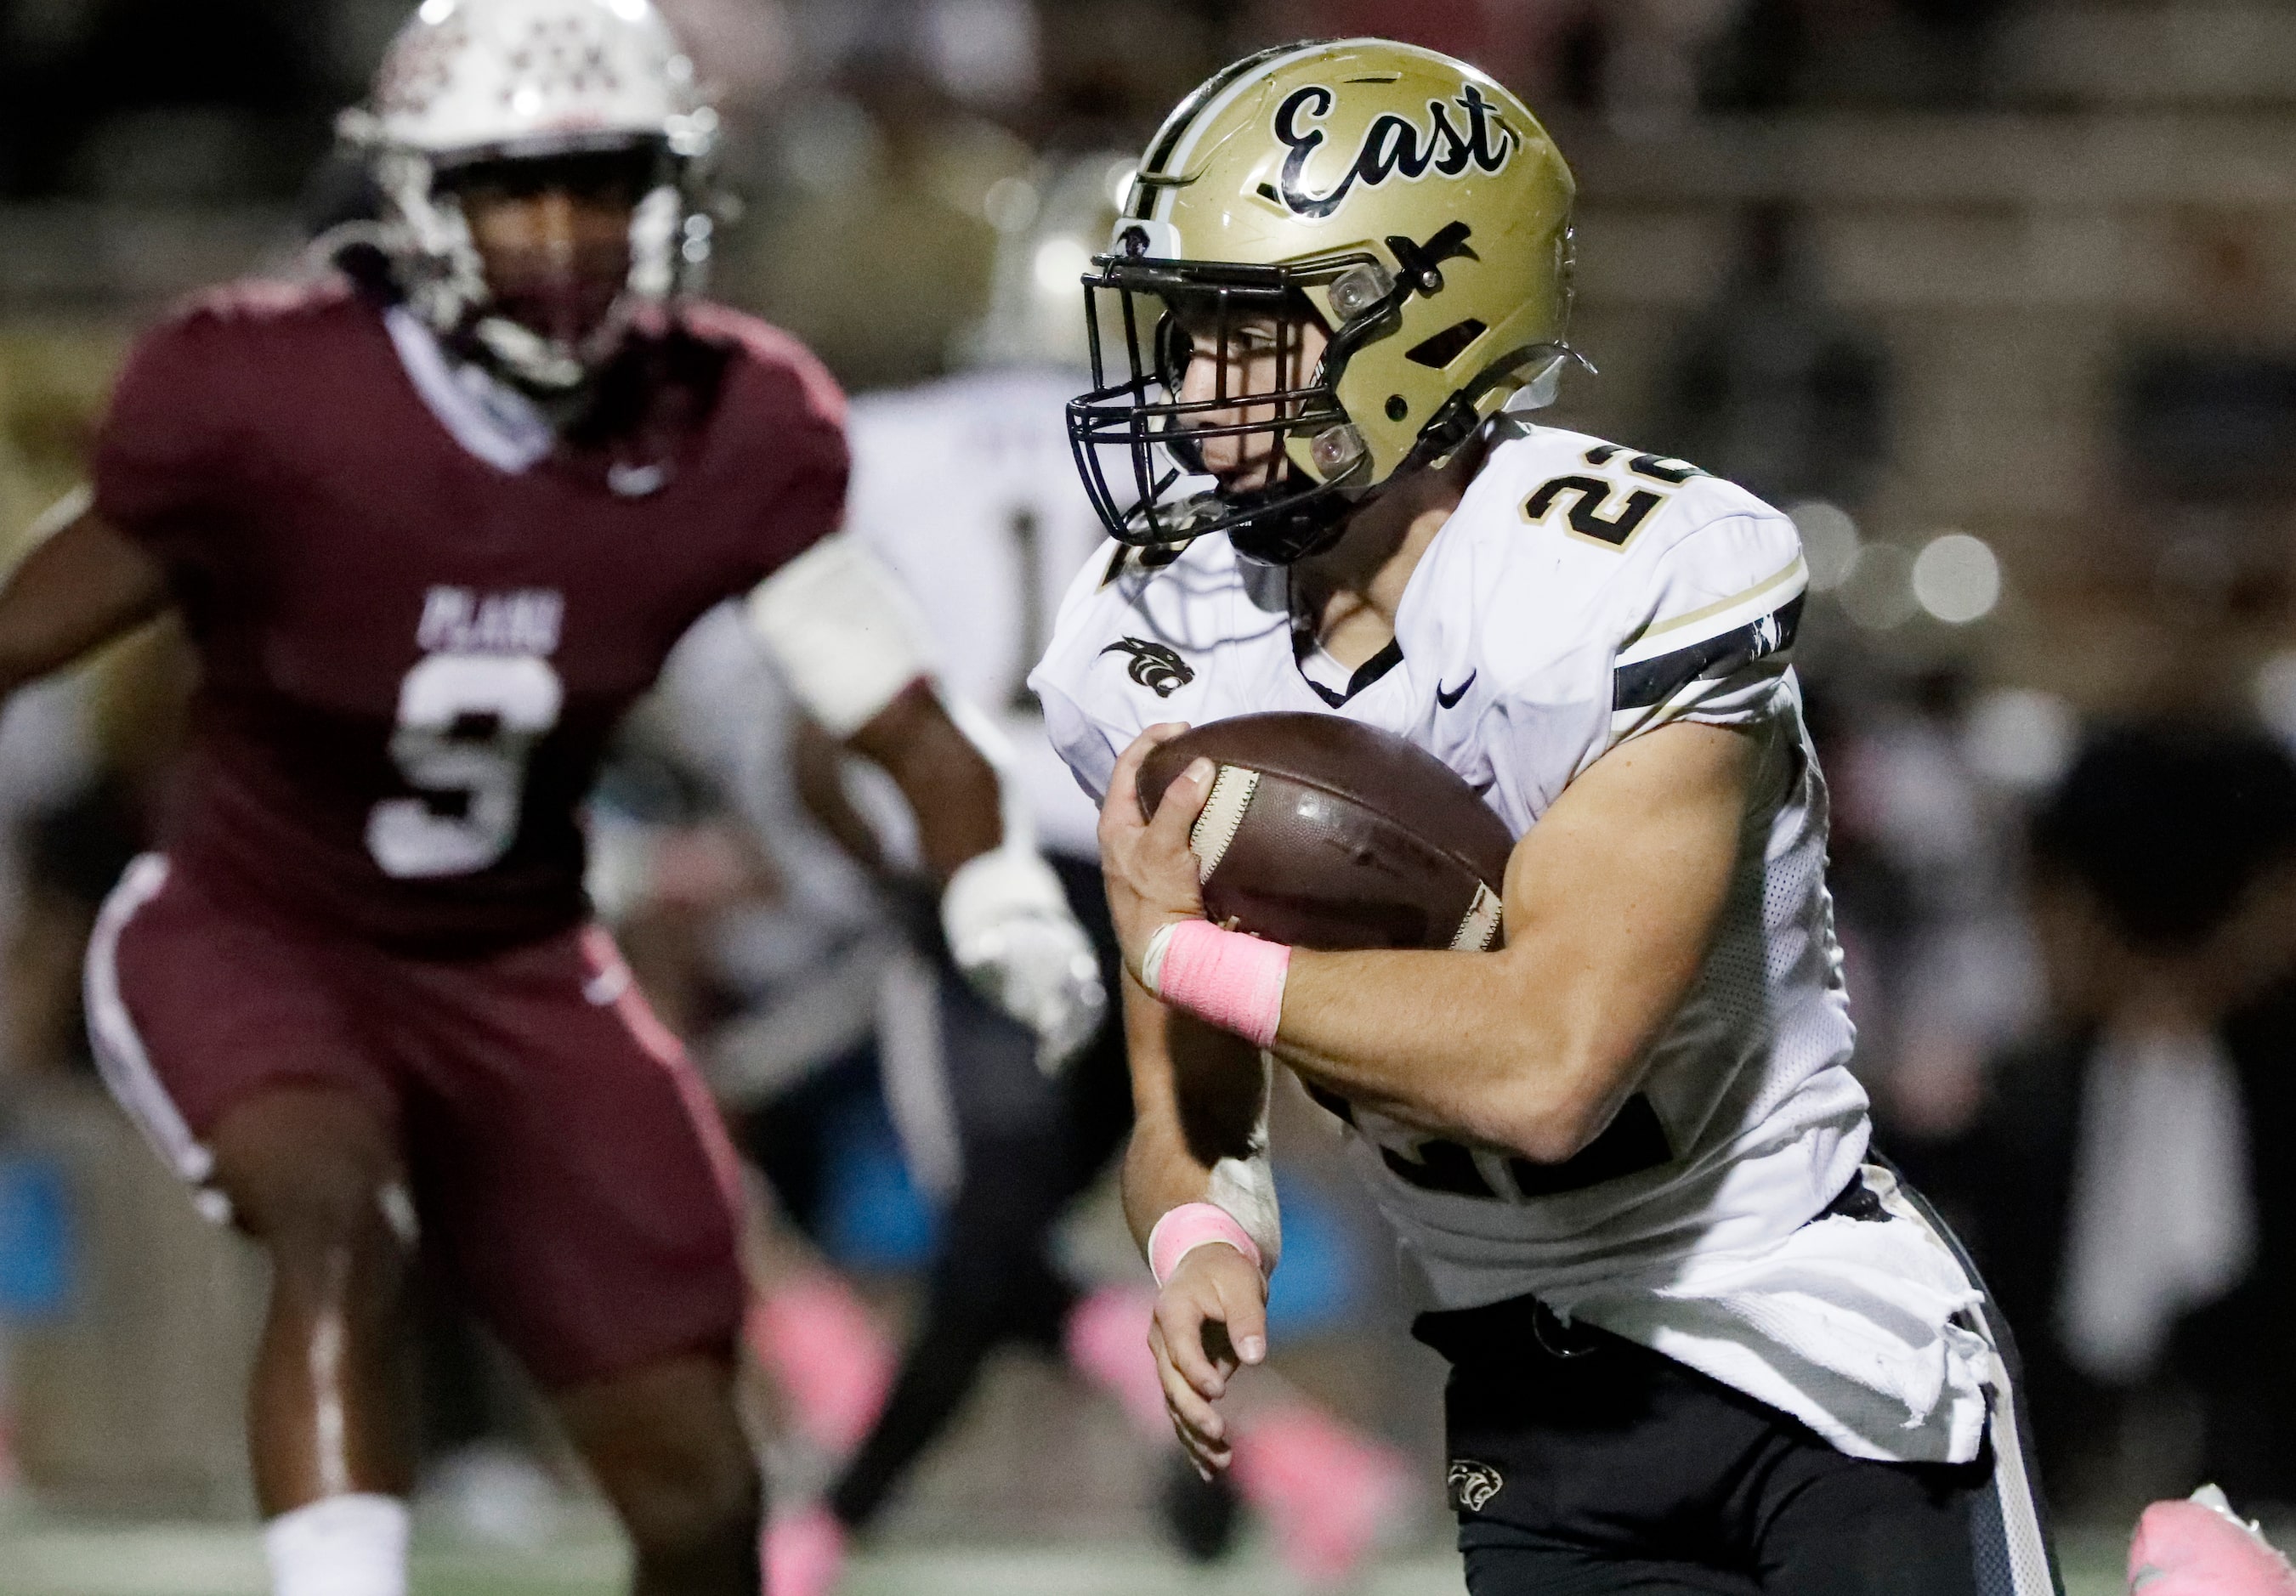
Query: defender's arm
column 77, row 590
column 852, row 648
column 1612, row 900
column 949, row 784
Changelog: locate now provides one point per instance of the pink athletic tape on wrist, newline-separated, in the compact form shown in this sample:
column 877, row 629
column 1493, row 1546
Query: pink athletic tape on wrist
column 1224, row 977
column 1193, row 1224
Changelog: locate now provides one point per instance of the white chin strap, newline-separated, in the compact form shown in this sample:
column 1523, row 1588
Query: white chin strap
column 527, row 357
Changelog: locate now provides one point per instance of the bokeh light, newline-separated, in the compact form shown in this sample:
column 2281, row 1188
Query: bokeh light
column 1878, row 593
column 1060, row 262
column 1829, row 542
column 2273, row 694
column 2022, row 738
column 1958, row 578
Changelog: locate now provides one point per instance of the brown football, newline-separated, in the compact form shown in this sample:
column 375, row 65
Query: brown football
column 1324, row 833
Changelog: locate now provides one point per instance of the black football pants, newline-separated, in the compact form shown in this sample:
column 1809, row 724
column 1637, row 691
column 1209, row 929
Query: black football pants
column 1582, row 1463
column 1031, row 1146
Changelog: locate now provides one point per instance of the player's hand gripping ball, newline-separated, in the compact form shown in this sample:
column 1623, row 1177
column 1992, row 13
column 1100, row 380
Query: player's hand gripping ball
column 1310, row 829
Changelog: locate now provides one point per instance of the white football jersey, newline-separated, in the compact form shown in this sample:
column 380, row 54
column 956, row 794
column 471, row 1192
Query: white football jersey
column 1581, row 595
column 967, row 488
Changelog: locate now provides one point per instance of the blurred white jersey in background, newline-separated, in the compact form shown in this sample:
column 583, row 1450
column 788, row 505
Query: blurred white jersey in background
column 966, row 487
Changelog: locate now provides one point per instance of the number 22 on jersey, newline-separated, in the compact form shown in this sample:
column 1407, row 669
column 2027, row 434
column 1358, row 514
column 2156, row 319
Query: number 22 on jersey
column 467, row 723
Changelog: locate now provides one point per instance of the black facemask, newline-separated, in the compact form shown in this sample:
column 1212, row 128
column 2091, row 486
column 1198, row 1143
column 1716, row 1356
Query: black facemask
column 1138, row 445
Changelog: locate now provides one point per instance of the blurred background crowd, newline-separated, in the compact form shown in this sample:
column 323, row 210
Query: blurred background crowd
column 1997, row 297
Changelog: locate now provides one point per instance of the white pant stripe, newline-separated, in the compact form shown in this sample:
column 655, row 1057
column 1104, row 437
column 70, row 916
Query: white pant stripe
column 2012, row 1484
column 2027, row 1545
column 119, row 1052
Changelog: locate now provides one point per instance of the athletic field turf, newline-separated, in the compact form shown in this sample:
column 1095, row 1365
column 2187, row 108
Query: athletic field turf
column 46, row 1556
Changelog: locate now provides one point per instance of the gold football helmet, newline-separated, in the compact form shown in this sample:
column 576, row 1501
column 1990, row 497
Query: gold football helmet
column 1401, row 200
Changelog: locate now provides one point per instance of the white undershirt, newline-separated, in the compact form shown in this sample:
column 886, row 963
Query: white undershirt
column 490, row 419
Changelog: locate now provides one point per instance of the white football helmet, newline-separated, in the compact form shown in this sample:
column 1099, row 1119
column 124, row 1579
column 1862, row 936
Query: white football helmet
column 1049, row 225
column 466, row 81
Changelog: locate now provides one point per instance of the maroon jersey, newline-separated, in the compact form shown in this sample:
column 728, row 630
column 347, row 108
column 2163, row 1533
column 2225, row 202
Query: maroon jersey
column 413, row 658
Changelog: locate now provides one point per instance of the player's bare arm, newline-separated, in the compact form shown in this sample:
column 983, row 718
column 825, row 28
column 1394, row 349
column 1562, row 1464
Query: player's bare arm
column 1611, row 901
column 1198, row 1097
column 950, row 786
column 76, row 590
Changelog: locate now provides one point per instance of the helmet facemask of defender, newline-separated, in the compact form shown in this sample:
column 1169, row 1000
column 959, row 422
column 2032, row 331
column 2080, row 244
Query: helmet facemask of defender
column 1391, row 225
column 552, row 235
column 512, row 99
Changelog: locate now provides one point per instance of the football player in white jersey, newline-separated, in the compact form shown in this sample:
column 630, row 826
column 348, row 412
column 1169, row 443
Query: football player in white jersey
column 965, row 488
column 1700, row 1340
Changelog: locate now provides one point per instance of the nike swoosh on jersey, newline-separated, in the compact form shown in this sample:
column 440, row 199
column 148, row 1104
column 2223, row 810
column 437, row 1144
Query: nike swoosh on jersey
column 1451, row 700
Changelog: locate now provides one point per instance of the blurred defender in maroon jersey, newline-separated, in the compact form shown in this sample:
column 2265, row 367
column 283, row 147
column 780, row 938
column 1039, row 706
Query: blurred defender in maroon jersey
column 432, row 530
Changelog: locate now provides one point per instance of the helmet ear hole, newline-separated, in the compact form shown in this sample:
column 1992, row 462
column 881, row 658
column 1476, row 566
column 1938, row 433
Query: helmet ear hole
column 1446, row 345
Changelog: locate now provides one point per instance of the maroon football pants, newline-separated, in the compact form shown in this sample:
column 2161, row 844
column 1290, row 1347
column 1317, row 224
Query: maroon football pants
column 569, row 1171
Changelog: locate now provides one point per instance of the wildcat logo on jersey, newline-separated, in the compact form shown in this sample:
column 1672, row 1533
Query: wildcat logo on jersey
column 1153, row 666
column 457, row 621
column 1472, row 1485
column 1392, row 146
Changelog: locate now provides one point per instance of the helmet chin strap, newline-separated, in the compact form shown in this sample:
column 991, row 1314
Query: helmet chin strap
column 527, row 359
column 1295, row 525
column 1306, row 524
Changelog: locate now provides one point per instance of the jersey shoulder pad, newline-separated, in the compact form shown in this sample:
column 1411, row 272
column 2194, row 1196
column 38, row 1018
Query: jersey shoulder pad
column 201, row 386
column 207, row 334
column 1166, row 578
column 1604, row 517
column 1569, row 549
column 1605, row 498
column 258, row 301
column 762, row 350
column 1703, row 614
column 775, row 466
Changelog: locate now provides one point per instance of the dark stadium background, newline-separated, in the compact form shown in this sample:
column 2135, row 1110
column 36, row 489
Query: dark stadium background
column 1997, row 295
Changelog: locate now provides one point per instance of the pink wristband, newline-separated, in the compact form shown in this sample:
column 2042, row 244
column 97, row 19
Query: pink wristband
column 1189, row 1226
column 1223, row 978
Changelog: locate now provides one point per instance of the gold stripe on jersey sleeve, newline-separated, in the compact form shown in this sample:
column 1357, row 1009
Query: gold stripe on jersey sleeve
column 1778, row 578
